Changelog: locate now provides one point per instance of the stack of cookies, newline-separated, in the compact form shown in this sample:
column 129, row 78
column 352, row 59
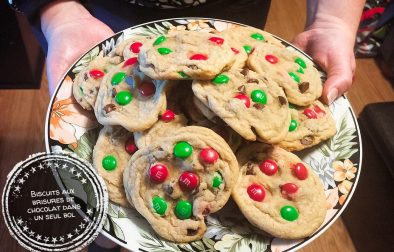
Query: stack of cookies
column 191, row 119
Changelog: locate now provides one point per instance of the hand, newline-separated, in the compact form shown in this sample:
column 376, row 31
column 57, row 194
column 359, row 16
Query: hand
column 330, row 43
column 69, row 34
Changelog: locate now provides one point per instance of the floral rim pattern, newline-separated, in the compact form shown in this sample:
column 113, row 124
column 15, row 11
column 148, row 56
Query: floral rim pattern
column 337, row 161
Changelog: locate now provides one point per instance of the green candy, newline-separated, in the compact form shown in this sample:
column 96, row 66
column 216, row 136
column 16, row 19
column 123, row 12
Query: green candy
column 159, row 204
column 217, row 180
column 248, row 49
column 300, row 70
column 257, row 36
column 259, row 96
column 182, row 150
column 164, row 50
column 117, row 78
column 300, row 62
column 293, row 125
column 81, row 90
column 221, row 79
column 289, row 213
column 292, row 106
column 294, row 77
column 159, row 40
column 123, row 97
column 109, row 163
column 183, row 210
column 183, row 75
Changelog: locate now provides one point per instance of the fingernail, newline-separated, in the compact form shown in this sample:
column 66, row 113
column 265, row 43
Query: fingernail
column 332, row 95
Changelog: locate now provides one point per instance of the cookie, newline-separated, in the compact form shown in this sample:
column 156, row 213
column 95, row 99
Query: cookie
column 185, row 55
column 87, row 82
column 168, row 122
column 130, row 48
column 174, row 183
column 253, row 105
column 129, row 98
column 290, row 69
column 308, row 127
column 278, row 193
column 112, row 151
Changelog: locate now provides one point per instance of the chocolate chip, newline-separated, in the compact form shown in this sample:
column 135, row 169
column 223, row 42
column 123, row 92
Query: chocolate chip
column 151, row 66
column 114, row 92
column 191, row 232
column 282, row 100
column 194, row 67
column 249, row 169
column 85, row 77
column 97, row 88
column 303, row 86
column 91, row 91
column 253, row 81
column 206, row 211
column 109, row 107
column 168, row 189
column 245, row 71
column 307, row 140
column 242, row 89
column 258, row 106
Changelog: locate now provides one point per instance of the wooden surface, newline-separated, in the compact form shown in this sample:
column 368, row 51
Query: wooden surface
column 23, row 115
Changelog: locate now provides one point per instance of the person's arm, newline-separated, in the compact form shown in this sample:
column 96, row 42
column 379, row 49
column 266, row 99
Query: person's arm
column 70, row 31
column 329, row 38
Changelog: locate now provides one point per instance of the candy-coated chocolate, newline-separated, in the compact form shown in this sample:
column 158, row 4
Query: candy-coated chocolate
column 183, row 209
column 183, row 75
column 271, row 58
column 164, row 50
column 147, row 88
column 292, row 106
column 310, row 113
column 135, row 47
column 217, row 180
column 289, row 188
column 300, row 62
column 130, row 62
column 159, row 205
column 234, row 50
column 117, row 78
column 289, row 213
column 158, row 173
column 300, row 70
column 221, row 79
column 167, row 116
column 130, row 146
column 244, row 98
column 300, row 171
column 257, row 36
column 217, row 40
column 268, row 167
column 318, row 110
column 294, row 77
column 293, row 125
column 209, row 155
column 188, row 181
column 256, row 192
column 159, row 40
column 259, row 96
column 96, row 74
column 248, row 49
column 123, row 97
column 109, row 163
column 198, row 56
column 182, row 150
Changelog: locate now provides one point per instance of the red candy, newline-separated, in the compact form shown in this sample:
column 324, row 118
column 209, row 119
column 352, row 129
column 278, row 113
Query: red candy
column 269, row 167
column 209, row 155
column 168, row 116
column 318, row 110
column 158, row 173
column 256, row 192
column 199, row 56
column 96, row 74
column 289, row 188
column 271, row 59
column 147, row 88
column 135, row 47
column 130, row 62
column 188, row 181
column 300, row 171
column 245, row 99
column 310, row 113
column 130, row 146
column 234, row 50
column 217, row 40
